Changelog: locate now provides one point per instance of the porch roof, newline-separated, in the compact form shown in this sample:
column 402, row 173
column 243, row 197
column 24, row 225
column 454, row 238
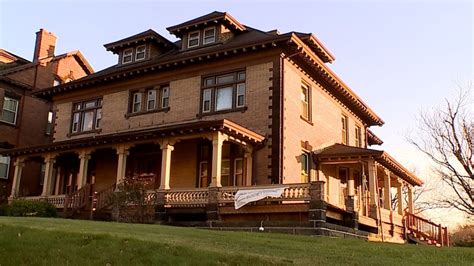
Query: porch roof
column 340, row 152
column 165, row 131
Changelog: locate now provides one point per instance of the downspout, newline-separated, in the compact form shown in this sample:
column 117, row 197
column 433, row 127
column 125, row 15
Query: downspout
column 281, row 120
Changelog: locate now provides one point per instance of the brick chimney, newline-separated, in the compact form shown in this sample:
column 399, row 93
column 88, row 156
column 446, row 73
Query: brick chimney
column 45, row 44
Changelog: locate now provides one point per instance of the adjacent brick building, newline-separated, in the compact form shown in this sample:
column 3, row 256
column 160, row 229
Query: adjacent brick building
column 26, row 120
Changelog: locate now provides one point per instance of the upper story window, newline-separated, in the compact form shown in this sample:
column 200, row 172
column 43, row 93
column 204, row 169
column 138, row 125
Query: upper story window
column 9, row 110
column 223, row 92
column 56, row 82
column 140, row 53
column 49, row 125
column 344, row 133
column 127, row 56
column 193, row 39
column 305, row 102
column 86, row 116
column 4, row 167
column 151, row 99
column 357, row 137
column 209, row 36
column 305, row 167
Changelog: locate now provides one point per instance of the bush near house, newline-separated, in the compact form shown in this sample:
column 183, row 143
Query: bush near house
column 30, row 208
column 463, row 236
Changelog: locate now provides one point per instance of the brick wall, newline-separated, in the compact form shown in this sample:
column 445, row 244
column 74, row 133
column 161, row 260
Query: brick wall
column 324, row 129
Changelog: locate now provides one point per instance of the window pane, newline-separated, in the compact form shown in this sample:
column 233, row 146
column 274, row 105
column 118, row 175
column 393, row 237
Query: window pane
column 151, row 100
column 140, row 52
column 8, row 116
column 209, row 36
column 241, row 76
column 137, row 102
column 224, row 98
column 90, row 104
column 10, row 104
column 4, row 164
column 225, row 78
column 206, row 100
column 165, row 92
column 87, row 121
column 98, row 118
column 240, row 95
column 209, row 82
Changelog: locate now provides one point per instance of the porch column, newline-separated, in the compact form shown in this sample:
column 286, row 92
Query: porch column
column 122, row 153
column 350, row 183
column 166, row 149
column 217, row 140
column 387, row 201
column 410, row 198
column 400, row 198
column 49, row 160
column 372, row 169
column 19, row 164
column 84, row 157
column 248, row 166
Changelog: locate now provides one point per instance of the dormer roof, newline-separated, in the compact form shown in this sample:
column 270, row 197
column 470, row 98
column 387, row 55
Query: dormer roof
column 146, row 36
column 213, row 18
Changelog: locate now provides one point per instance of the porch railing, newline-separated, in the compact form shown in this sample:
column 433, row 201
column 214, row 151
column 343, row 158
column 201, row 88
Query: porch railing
column 184, row 198
column 292, row 192
column 426, row 230
column 77, row 200
column 56, row 200
column 101, row 199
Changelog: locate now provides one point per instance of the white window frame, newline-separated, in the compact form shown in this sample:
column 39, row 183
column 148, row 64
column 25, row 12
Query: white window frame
column 198, row 38
column 8, row 167
column 242, row 93
column 12, row 111
column 165, row 95
column 358, row 136
column 206, row 99
column 137, row 52
column 125, row 54
column 241, row 171
column 49, row 126
column 137, row 100
column 306, row 175
column 150, row 99
column 204, row 42
column 305, row 103
column 344, row 129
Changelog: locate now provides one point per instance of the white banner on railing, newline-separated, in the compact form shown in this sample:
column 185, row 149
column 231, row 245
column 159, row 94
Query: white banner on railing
column 245, row 196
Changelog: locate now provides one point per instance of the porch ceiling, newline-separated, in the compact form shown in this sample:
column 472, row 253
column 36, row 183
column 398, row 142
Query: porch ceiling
column 154, row 133
column 342, row 153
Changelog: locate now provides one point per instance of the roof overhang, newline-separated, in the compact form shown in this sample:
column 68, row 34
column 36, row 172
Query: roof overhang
column 146, row 36
column 207, row 20
column 318, row 47
column 233, row 130
column 335, row 84
column 342, row 153
column 373, row 139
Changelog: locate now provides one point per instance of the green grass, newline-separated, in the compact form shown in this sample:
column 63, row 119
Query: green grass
column 44, row 241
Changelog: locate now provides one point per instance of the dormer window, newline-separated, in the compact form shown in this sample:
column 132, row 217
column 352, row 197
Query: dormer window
column 209, row 36
column 140, row 53
column 56, row 82
column 193, row 39
column 127, row 56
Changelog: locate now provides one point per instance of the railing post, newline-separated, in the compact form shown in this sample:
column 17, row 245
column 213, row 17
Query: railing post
column 317, row 205
column 160, row 210
column 212, row 207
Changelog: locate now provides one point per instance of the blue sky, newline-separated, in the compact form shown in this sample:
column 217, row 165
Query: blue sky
column 399, row 56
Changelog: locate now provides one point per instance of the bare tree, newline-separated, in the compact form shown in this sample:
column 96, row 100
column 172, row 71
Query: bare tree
column 446, row 136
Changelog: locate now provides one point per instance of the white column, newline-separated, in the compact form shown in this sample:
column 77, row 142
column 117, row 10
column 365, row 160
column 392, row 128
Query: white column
column 248, row 166
column 122, row 153
column 400, row 198
column 49, row 160
column 19, row 164
column 372, row 182
column 387, row 201
column 166, row 149
column 410, row 198
column 217, row 140
column 84, row 157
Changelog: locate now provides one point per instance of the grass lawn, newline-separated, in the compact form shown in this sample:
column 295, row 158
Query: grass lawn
column 43, row 241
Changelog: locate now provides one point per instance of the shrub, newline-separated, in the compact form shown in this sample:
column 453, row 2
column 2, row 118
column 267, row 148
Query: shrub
column 4, row 209
column 463, row 236
column 31, row 208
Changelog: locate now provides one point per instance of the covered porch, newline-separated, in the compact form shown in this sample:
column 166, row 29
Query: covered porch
column 190, row 156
